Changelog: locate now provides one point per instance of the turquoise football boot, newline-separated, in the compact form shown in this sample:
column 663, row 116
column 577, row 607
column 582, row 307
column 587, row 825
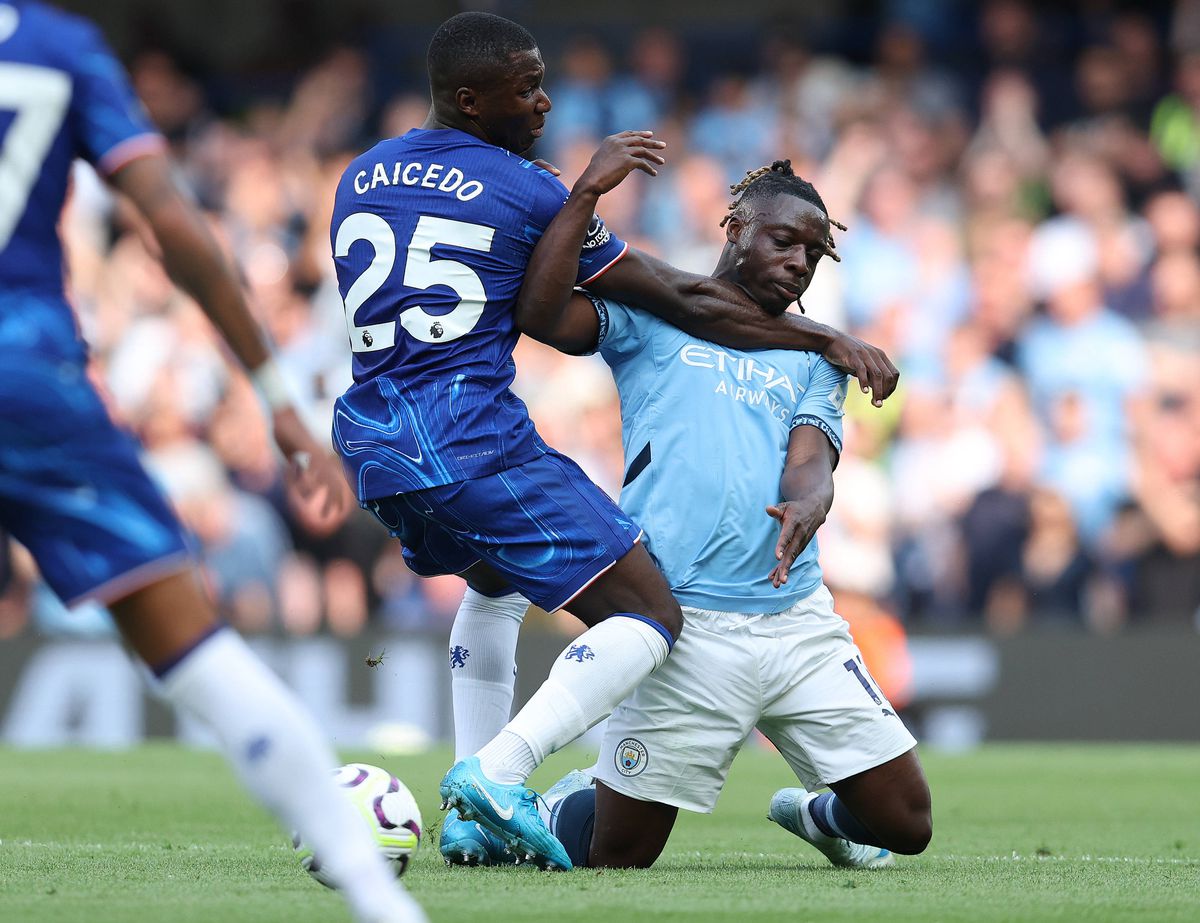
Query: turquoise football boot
column 464, row 842
column 508, row 811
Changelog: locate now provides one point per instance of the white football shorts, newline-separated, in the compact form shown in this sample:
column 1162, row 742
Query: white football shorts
column 795, row 675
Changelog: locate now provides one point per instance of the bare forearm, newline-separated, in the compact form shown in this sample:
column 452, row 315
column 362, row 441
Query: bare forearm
column 195, row 263
column 550, row 277
column 737, row 322
column 191, row 255
column 711, row 309
column 809, row 483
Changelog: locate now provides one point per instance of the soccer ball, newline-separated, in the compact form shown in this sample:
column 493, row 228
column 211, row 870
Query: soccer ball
column 388, row 807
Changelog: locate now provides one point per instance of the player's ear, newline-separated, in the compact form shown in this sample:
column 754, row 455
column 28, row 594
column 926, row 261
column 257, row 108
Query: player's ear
column 467, row 101
column 733, row 229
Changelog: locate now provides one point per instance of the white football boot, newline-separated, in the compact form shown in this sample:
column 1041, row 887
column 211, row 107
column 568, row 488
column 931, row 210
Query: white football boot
column 789, row 809
column 574, row 781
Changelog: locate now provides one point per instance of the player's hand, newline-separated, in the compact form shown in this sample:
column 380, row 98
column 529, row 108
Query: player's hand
column 313, row 474
column 869, row 364
column 798, row 523
column 617, row 157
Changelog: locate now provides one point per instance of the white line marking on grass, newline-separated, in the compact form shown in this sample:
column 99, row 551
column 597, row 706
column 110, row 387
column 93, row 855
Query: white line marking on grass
column 1014, row 856
column 1018, row 857
column 164, row 845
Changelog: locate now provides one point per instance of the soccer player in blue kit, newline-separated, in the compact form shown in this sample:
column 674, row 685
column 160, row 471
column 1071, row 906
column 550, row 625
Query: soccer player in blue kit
column 763, row 646
column 72, row 489
column 431, row 235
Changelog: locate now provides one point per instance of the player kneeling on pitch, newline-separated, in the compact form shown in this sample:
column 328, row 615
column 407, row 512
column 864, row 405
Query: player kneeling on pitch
column 762, row 647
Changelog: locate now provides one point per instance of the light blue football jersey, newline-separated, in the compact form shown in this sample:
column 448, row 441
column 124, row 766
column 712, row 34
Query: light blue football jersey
column 706, row 431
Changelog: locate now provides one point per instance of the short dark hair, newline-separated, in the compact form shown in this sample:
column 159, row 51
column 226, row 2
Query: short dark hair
column 472, row 47
column 777, row 179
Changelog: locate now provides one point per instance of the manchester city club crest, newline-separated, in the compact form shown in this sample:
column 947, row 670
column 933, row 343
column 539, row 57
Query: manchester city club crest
column 631, row 757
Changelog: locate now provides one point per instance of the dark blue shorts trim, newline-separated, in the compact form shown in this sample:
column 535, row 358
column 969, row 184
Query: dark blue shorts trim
column 649, row 621
column 162, row 669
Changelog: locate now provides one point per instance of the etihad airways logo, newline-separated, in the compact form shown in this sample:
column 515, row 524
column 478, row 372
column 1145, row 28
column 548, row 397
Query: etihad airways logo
column 753, row 381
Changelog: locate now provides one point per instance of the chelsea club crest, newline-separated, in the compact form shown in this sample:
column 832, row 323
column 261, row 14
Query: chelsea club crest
column 631, row 757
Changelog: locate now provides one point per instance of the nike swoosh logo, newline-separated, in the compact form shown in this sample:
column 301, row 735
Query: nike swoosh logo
column 502, row 813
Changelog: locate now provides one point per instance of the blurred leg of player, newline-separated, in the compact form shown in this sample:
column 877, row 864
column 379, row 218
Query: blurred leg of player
column 73, row 491
column 207, row 671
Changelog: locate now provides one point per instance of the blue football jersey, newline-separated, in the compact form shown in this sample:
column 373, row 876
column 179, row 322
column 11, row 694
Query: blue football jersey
column 62, row 95
column 431, row 235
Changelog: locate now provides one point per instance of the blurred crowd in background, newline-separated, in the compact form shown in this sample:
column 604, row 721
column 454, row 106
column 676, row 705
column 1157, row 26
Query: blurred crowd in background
column 1024, row 241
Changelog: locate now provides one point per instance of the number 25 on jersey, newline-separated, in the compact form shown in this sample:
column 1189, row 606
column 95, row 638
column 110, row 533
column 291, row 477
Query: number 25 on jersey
column 421, row 271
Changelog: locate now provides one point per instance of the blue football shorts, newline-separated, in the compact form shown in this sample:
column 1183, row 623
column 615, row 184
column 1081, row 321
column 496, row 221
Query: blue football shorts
column 544, row 525
column 72, row 489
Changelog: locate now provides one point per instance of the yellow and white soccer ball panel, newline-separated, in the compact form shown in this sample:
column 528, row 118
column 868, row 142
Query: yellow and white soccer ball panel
column 389, row 809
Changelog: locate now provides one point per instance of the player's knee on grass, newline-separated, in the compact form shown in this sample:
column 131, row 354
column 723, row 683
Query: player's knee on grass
column 625, row 855
column 916, row 834
column 908, row 827
column 628, row 833
column 893, row 801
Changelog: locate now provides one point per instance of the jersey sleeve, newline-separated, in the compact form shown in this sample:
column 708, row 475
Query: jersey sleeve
column 822, row 403
column 113, row 127
column 601, row 248
column 623, row 331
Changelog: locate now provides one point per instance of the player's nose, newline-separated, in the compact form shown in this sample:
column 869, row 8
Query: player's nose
column 797, row 263
column 544, row 105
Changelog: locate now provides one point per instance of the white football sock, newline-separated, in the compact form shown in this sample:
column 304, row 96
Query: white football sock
column 278, row 754
column 483, row 651
column 588, row 680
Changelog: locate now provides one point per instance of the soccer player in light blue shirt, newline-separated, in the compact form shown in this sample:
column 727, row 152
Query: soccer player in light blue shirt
column 724, row 418
column 716, row 441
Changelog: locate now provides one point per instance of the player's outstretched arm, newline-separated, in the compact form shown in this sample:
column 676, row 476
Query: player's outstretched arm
column 720, row 311
column 548, row 309
column 807, row 491
column 195, row 262
column 705, row 307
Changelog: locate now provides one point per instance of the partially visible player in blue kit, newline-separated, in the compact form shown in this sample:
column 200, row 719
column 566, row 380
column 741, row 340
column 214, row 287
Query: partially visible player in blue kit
column 72, row 488
column 431, row 234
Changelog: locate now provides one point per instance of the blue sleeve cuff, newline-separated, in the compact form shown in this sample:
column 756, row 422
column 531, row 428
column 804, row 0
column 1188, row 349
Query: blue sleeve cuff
column 601, row 314
column 808, row 419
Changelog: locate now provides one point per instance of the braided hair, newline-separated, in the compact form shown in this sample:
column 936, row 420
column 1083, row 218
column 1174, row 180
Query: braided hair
column 766, row 182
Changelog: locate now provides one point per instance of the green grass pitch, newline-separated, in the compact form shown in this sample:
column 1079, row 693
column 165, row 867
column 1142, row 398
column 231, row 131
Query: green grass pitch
column 1021, row 833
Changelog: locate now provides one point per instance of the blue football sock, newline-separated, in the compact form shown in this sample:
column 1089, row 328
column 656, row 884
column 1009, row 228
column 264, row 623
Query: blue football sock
column 833, row 818
column 573, row 821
